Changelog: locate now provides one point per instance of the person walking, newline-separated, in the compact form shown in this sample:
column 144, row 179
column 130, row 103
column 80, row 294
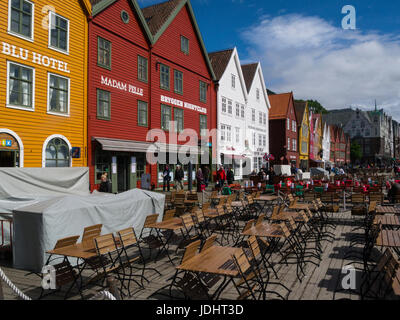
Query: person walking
column 179, row 175
column 105, row 185
column 230, row 176
column 221, row 177
column 166, row 178
column 206, row 175
column 199, row 179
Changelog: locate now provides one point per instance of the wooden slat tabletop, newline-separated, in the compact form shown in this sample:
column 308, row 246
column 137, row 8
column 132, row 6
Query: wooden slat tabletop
column 388, row 220
column 389, row 238
column 215, row 260
column 265, row 230
column 170, row 224
column 283, row 216
column 266, row 198
column 78, row 250
column 388, row 209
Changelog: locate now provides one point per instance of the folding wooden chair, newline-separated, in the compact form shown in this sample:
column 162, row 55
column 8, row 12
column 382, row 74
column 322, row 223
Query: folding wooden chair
column 147, row 236
column 132, row 253
column 89, row 233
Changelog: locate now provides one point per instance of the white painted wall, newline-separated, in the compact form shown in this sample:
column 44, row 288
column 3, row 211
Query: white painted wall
column 237, row 95
column 260, row 105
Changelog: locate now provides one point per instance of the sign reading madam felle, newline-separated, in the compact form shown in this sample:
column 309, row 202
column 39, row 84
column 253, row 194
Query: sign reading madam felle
column 36, row 58
column 121, row 86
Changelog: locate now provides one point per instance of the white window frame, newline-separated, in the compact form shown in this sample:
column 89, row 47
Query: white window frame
column 294, row 145
column 237, row 134
column 45, row 146
column 49, row 34
column 223, row 133
column 254, row 139
column 237, row 108
column 228, row 133
column 253, row 115
column 242, row 111
column 288, row 124
column 288, row 146
column 67, row 114
column 229, row 106
column 264, row 119
column 9, row 31
column 260, row 140
column 258, row 94
column 260, row 117
column 8, row 105
column 233, row 81
column 222, row 105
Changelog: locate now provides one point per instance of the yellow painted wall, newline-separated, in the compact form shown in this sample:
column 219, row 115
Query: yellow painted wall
column 305, row 137
column 33, row 128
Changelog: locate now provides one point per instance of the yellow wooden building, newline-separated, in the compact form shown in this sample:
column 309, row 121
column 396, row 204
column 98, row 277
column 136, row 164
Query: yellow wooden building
column 43, row 83
column 303, row 118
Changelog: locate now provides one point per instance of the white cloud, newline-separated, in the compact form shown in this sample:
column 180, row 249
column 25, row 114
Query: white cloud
column 316, row 60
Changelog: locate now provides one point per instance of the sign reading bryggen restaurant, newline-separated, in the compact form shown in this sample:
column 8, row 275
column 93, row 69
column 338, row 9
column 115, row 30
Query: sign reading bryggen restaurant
column 182, row 104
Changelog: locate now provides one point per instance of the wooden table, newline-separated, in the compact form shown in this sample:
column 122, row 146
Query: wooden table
column 389, row 238
column 79, row 251
column 300, row 206
column 388, row 220
column 215, row 260
column 388, row 210
column 284, row 216
column 173, row 225
column 265, row 230
column 267, row 200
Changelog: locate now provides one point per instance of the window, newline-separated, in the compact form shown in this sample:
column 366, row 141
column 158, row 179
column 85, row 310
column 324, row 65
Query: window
column 178, row 81
column 258, row 94
column 57, row 153
column 230, row 106
column 242, row 111
column 203, row 92
column 288, row 144
column 264, row 118
column 294, row 145
column 142, row 69
column 255, row 163
column 58, row 91
column 260, row 118
column 164, row 77
column 104, row 53
column 103, row 104
column 260, row 140
column 233, row 80
column 254, row 139
column 142, row 114
column 178, row 118
column 21, row 18
column 203, row 125
column 20, row 86
column 103, row 164
column 288, row 124
column 237, row 135
column 59, row 32
column 184, row 45
column 264, row 141
column 224, row 105
column 253, row 115
column 165, row 117
column 223, row 133
column 294, row 126
column 228, row 133
column 237, row 110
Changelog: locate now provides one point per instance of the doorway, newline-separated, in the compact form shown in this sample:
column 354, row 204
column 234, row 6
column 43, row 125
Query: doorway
column 123, row 163
column 8, row 159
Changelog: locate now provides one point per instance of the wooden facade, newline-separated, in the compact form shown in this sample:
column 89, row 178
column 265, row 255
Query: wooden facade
column 44, row 81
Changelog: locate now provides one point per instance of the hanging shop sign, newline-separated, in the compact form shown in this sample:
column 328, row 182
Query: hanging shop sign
column 123, row 86
column 36, row 58
column 186, row 105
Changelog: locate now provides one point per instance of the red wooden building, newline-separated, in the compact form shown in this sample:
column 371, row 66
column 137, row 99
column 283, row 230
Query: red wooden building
column 283, row 129
column 147, row 67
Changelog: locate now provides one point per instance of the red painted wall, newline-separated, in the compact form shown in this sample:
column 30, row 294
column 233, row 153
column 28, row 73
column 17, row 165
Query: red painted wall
column 127, row 42
column 167, row 50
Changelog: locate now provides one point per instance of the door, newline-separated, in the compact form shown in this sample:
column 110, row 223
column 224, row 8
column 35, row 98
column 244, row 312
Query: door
column 7, row 159
column 123, row 173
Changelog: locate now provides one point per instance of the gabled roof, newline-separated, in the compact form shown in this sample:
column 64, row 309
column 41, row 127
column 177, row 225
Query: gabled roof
column 100, row 5
column 249, row 72
column 279, row 105
column 159, row 17
column 219, row 61
column 300, row 108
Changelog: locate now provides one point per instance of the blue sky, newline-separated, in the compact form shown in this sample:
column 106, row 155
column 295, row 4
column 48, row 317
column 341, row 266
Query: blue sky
column 303, row 48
